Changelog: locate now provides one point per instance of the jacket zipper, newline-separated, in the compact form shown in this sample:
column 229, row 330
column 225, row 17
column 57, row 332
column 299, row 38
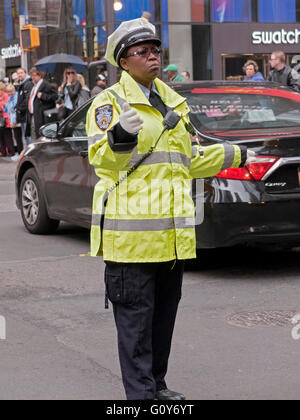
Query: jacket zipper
column 150, row 106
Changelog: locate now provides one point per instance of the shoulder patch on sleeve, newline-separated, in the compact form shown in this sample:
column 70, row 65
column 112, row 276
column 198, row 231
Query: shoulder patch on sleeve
column 104, row 116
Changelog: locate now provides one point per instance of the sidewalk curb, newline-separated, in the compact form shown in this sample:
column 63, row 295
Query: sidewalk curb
column 7, row 160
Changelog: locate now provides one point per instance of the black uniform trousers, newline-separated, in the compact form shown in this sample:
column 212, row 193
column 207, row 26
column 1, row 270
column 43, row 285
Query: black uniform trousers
column 145, row 299
column 6, row 142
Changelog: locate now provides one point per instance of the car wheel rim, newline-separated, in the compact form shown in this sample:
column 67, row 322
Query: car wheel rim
column 30, row 202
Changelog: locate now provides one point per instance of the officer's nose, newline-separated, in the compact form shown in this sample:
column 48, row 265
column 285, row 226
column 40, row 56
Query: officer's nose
column 153, row 56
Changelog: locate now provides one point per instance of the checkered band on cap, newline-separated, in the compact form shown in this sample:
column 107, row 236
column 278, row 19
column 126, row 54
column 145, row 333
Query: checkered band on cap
column 132, row 39
column 129, row 33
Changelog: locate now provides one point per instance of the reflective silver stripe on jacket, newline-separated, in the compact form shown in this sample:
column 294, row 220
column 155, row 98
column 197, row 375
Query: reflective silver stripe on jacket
column 194, row 151
column 161, row 157
column 120, row 101
column 144, row 225
column 229, row 154
column 94, row 139
column 96, row 218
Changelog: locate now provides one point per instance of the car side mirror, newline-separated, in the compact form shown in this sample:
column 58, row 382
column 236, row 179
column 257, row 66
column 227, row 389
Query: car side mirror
column 50, row 131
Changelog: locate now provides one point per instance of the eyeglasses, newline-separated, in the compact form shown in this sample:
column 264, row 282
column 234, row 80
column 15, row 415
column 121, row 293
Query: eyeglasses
column 145, row 52
column 70, row 72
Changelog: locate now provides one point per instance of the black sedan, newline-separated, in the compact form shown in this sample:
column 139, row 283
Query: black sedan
column 257, row 204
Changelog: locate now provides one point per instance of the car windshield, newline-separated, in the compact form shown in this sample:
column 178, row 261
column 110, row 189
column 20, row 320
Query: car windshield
column 229, row 109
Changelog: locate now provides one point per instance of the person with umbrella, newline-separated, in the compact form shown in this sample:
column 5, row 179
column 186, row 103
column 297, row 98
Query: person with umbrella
column 68, row 93
column 52, row 63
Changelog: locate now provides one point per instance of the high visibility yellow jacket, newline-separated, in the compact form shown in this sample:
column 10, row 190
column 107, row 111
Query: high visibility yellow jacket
column 150, row 217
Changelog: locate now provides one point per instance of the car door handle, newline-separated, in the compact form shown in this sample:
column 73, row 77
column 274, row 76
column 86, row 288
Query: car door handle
column 84, row 153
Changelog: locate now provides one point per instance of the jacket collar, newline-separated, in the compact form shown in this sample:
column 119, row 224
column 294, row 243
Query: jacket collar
column 27, row 77
column 135, row 95
column 39, row 85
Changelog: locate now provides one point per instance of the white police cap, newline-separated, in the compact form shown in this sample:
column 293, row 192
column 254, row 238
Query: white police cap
column 127, row 34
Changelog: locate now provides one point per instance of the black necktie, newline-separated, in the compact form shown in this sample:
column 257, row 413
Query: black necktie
column 156, row 101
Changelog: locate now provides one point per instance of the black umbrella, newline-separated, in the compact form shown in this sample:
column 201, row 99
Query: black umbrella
column 48, row 64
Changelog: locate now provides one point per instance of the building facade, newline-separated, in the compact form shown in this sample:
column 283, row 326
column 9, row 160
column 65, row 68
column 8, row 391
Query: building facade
column 211, row 39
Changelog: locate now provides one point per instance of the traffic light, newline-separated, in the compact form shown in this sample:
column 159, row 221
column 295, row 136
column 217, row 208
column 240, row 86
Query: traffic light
column 30, row 37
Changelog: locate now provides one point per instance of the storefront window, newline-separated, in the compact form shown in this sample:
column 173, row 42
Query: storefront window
column 99, row 8
column 175, row 47
column 196, row 58
column 202, row 52
column 22, row 7
column 9, row 30
column 99, row 31
column 133, row 9
column 200, row 10
column 99, row 44
column 275, row 11
column 53, row 13
column 79, row 12
column 193, row 10
column 79, row 15
column 42, row 13
column 172, row 11
column 232, row 10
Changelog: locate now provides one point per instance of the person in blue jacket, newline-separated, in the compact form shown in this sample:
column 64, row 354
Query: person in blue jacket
column 252, row 73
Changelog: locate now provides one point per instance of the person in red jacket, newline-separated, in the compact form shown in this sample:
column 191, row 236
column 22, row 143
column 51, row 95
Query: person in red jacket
column 6, row 141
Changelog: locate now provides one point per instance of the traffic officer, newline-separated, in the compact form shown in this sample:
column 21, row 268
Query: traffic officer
column 145, row 165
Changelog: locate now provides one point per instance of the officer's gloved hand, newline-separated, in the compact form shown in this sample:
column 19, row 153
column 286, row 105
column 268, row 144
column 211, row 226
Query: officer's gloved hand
column 250, row 157
column 130, row 120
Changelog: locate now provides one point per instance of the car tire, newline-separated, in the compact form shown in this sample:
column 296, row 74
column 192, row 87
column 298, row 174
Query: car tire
column 33, row 206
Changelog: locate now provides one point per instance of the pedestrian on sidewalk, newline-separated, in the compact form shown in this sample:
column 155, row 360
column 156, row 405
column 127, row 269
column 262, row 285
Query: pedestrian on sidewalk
column 42, row 97
column 85, row 93
column 173, row 75
column 15, row 128
column 100, row 85
column 68, row 93
column 24, row 89
column 6, row 141
column 280, row 72
column 186, row 75
column 252, row 72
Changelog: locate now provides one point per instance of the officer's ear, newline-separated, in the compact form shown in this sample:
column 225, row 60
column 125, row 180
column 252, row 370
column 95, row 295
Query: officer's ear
column 123, row 64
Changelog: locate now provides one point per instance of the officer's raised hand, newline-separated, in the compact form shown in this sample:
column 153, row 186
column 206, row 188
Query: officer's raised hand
column 130, row 120
column 251, row 157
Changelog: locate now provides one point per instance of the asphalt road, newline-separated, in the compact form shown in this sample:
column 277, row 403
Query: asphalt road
column 233, row 336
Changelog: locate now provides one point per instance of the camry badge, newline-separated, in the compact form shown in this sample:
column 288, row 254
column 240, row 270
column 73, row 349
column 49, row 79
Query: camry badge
column 275, row 184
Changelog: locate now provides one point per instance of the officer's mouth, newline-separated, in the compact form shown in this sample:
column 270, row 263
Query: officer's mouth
column 154, row 67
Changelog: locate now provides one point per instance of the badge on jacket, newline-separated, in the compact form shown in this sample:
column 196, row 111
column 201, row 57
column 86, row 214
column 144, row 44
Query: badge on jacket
column 104, row 116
